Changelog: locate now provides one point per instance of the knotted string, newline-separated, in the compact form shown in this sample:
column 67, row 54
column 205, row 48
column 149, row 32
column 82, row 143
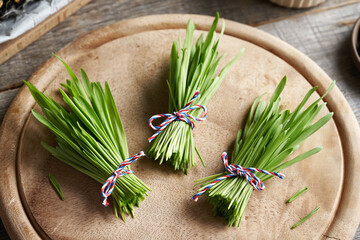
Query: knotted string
column 181, row 115
column 109, row 185
column 235, row 170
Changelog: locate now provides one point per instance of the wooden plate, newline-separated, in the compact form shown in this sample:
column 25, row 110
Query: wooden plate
column 132, row 56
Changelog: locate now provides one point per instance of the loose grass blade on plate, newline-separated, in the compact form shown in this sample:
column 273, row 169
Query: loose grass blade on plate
column 90, row 136
column 56, row 186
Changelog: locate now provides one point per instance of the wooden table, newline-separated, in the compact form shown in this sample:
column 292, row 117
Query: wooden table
column 322, row 33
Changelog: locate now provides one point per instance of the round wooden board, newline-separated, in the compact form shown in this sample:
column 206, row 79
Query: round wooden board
column 132, row 56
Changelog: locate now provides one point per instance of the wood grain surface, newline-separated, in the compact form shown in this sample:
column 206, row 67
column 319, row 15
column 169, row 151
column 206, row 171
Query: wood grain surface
column 323, row 33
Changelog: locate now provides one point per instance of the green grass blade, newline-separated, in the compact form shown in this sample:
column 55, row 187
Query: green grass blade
column 56, row 186
column 305, row 218
column 297, row 195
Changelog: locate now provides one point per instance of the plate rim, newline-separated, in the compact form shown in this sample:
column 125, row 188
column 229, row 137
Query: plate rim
column 12, row 212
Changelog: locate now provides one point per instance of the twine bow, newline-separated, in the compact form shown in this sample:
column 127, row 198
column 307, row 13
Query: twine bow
column 109, row 185
column 181, row 115
column 235, row 170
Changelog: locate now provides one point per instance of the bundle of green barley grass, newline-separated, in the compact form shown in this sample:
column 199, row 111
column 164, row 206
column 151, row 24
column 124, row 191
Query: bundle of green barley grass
column 192, row 70
column 270, row 136
column 90, row 136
